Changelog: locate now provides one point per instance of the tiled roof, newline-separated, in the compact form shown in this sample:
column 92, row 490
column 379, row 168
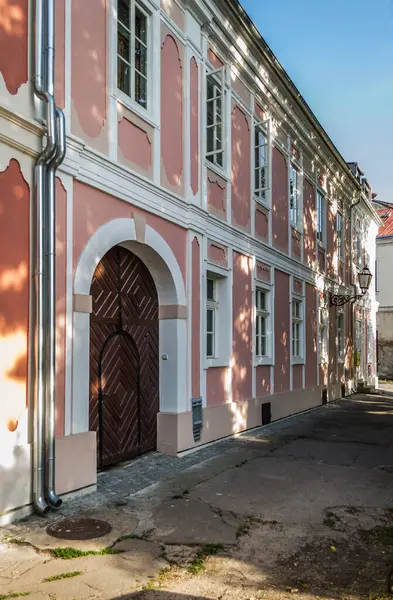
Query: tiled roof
column 386, row 214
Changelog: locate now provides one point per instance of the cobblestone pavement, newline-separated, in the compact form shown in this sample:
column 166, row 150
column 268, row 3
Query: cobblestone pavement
column 302, row 506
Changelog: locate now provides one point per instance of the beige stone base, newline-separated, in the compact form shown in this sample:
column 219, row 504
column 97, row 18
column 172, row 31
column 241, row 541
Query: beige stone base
column 175, row 430
column 76, row 469
column 76, row 462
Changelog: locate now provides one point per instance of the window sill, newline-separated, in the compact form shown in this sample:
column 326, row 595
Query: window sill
column 217, row 170
column 297, row 228
column 261, row 202
column 134, row 107
column 263, row 361
column 298, row 361
column 216, row 362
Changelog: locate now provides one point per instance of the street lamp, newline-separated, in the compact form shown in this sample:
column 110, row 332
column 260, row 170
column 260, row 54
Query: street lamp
column 364, row 277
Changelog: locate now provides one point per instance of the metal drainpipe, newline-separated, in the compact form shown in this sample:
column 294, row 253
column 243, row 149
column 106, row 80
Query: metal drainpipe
column 43, row 159
column 351, row 207
column 51, row 496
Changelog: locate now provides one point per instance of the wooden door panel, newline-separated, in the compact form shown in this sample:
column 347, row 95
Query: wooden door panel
column 124, row 301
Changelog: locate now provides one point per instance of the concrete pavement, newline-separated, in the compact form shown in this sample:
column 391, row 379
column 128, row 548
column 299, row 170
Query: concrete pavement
column 303, row 506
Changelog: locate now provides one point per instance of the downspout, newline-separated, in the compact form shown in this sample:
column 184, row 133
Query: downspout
column 51, row 496
column 351, row 207
column 45, row 156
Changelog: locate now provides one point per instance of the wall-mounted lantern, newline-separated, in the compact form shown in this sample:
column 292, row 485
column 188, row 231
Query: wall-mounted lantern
column 364, row 278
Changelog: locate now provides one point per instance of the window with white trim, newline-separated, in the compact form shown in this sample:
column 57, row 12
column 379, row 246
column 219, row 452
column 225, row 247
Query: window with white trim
column 340, row 336
column 322, row 334
column 261, row 164
column 262, row 323
column 215, row 110
column 321, row 218
column 294, row 195
column 211, row 316
column 370, row 344
column 297, row 329
column 358, row 257
column 133, row 50
column 340, row 236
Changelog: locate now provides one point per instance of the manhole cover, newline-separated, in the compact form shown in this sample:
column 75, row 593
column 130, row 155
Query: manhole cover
column 78, row 529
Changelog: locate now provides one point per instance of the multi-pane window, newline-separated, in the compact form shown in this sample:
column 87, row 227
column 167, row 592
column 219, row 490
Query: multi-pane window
column 297, row 323
column 340, row 236
column 294, row 195
column 132, row 51
column 211, row 316
column 322, row 336
column 370, row 344
column 358, row 257
column 215, row 118
column 340, row 336
column 261, row 181
column 262, row 323
column 320, row 218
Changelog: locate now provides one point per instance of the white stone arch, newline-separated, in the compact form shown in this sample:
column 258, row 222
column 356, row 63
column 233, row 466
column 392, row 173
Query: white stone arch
column 157, row 255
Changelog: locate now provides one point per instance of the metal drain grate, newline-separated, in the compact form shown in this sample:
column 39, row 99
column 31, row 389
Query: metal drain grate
column 79, row 528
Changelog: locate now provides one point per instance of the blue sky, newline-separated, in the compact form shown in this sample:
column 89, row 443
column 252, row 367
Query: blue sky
column 339, row 54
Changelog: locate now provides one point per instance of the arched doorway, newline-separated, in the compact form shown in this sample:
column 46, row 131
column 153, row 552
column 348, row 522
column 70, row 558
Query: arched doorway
column 124, row 363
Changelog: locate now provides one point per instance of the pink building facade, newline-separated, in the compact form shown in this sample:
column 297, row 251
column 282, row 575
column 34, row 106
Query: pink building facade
column 202, row 223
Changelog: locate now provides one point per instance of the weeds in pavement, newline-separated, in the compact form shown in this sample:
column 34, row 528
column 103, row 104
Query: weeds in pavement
column 62, row 576
column 14, row 595
column 131, row 536
column 382, row 533
column 352, row 510
column 157, row 582
column 9, row 539
column 331, row 520
column 198, row 563
column 68, row 553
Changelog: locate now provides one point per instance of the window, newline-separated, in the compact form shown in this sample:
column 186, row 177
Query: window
column 215, row 117
column 294, row 195
column 322, row 335
column 320, row 218
column 340, row 336
column 370, row 344
column 358, row 257
column 340, row 236
column 262, row 323
column 261, row 182
column 132, row 51
column 297, row 325
column 211, row 310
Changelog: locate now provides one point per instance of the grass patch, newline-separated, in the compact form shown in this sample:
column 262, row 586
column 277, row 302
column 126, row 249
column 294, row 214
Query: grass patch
column 69, row 553
column 62, row 576
column 14, row 595
column 198, row 563
column 10, row 539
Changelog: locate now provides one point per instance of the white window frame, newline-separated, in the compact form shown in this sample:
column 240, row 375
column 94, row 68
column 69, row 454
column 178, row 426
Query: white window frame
column 297, row 323
column 211, row 155
column 266, row 314
column 340, row 336
column 212, row 305
column 294, row 195
column 358, row 248
column 321, row 218
column 130, row 98
column 222, row 306
column 370, row 343
column 323, row 320
column 340, row 229
column 261, row 194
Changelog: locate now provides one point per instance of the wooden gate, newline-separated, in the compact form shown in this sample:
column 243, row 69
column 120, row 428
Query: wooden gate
column 124, row 377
